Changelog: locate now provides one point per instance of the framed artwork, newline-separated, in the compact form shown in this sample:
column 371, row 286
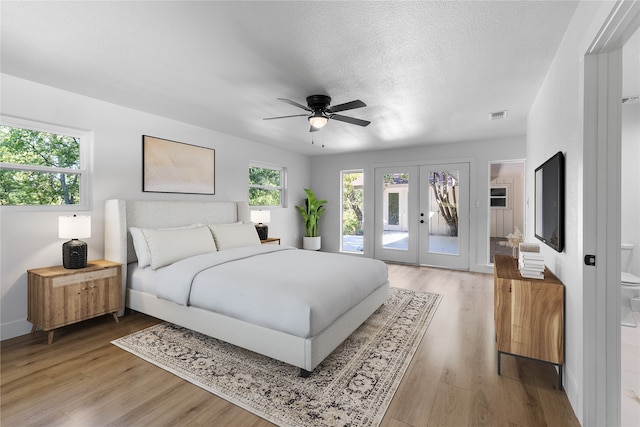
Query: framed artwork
column 175, row 167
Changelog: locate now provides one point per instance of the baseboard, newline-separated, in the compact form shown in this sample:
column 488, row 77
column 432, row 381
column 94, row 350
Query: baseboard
column 14, row 329
column 573, row 394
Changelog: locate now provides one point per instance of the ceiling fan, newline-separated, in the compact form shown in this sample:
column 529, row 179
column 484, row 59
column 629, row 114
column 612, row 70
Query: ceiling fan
column 321, row 112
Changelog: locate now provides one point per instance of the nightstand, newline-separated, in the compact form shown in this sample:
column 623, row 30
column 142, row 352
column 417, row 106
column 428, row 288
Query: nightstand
column 60, row 296
column 271, row 241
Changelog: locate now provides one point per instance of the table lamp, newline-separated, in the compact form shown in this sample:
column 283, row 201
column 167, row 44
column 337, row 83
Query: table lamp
column 74, row 252
column 260, row 218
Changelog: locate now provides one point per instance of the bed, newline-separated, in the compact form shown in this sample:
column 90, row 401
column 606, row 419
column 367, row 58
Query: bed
column 293, row 305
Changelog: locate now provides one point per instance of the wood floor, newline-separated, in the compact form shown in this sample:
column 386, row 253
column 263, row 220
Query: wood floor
column 83, row 380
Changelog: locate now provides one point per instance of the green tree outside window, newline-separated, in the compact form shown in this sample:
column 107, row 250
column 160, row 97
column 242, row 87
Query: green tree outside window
column 38, row 168
column 265, row 186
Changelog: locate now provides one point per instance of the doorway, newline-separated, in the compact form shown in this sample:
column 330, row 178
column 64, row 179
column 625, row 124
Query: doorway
column 506, row 204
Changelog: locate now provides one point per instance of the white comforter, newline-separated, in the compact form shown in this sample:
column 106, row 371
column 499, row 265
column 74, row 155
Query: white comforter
column 283, row 288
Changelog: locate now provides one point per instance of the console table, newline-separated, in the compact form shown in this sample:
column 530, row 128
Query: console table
column 528, row 314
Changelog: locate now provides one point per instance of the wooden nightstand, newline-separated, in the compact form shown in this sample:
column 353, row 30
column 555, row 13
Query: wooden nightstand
column 271, row 241
column 59, row 296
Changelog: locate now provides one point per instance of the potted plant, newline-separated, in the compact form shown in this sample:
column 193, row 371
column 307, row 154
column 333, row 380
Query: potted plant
column 311, row 213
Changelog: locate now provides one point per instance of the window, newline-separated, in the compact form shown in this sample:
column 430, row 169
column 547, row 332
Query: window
column 352, row 211
column 499, row 197
column 42, row 166
column 266, row 185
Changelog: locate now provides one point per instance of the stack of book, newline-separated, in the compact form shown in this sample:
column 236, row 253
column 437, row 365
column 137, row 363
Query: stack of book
column 531, row 261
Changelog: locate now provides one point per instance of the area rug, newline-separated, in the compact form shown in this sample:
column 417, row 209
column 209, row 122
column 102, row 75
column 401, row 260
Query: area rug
column 352, row 387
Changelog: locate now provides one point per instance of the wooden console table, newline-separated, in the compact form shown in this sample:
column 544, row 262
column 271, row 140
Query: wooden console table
column 528, row 314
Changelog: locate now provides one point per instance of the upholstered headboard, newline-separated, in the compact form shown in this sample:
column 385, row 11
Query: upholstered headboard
column 122, row 214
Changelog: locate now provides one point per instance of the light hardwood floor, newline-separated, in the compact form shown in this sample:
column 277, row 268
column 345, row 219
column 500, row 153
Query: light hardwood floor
column 81, row 379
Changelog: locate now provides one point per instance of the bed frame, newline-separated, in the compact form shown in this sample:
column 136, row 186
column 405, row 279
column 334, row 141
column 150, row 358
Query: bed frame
column 305, row 353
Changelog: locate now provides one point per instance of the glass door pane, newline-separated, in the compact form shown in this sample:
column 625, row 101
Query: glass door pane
column 443, row 212
column 352, row 212
column 444, row 215
column 396, row 205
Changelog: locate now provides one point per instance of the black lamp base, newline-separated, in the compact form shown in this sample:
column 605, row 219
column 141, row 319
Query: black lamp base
column 263, row 231
column 74, row 254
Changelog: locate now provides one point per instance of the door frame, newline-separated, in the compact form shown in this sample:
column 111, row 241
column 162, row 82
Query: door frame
column 523, row 190
column 601, row 77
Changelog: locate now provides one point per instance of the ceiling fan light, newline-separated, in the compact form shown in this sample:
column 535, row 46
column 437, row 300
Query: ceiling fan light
column 318, row 120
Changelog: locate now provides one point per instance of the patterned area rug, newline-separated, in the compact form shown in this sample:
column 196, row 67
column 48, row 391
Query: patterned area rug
column 352, row 387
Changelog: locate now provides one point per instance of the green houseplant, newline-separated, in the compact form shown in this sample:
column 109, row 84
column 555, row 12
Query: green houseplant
column 311, row 213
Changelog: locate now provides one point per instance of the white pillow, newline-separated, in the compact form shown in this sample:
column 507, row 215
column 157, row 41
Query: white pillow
column 230, row 236
column 169, row 246
column 140, row 243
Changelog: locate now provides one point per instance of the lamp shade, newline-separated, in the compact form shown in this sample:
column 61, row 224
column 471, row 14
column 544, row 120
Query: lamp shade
column 74, row 227
column 318, row 120
column 260, row 217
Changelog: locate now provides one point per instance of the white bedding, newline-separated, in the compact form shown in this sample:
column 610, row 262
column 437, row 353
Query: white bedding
column 250, row 284
column 310, row 281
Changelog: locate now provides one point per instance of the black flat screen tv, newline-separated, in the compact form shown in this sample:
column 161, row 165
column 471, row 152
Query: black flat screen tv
column 549, row 203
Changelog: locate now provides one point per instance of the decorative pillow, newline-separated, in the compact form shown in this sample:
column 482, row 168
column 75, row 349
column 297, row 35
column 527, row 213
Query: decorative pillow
column 171, row 245
column 140, row 243
column 230, row 236
column 140, row 246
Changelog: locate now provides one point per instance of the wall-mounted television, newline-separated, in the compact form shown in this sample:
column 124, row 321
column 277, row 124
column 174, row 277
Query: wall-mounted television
column 549, row 191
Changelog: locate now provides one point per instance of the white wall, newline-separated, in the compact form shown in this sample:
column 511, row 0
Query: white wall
column 325, row 179
column 30, row 239
column 555, row 123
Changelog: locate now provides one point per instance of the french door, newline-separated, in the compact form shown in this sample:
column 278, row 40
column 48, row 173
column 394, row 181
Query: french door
column 422, row 215
column 444, row 215
column 396, row 204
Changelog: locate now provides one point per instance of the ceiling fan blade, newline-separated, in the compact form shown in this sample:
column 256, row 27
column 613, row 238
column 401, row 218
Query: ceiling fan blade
column 347, row 106
column 294, row 103
column 312, row 129
column 284, row 117
column 351, row 120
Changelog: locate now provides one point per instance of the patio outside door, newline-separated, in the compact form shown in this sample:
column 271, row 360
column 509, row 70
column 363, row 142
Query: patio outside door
column 444, row 216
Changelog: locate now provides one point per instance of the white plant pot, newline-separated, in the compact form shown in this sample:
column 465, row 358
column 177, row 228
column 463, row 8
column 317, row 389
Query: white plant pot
column 311, row 243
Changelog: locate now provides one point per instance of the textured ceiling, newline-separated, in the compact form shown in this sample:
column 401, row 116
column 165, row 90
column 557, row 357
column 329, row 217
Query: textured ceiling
column 429, row 72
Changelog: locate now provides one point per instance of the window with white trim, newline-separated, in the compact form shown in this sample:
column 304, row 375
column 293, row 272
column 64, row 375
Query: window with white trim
column 499, row 197
column 42, row 165
column 266, row 185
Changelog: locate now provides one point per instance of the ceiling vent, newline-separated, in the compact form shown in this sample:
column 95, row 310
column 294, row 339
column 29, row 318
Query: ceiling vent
column 498, row 115
column 630, row 99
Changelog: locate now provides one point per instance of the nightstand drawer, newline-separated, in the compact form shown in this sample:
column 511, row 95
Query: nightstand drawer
column 84, row 277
